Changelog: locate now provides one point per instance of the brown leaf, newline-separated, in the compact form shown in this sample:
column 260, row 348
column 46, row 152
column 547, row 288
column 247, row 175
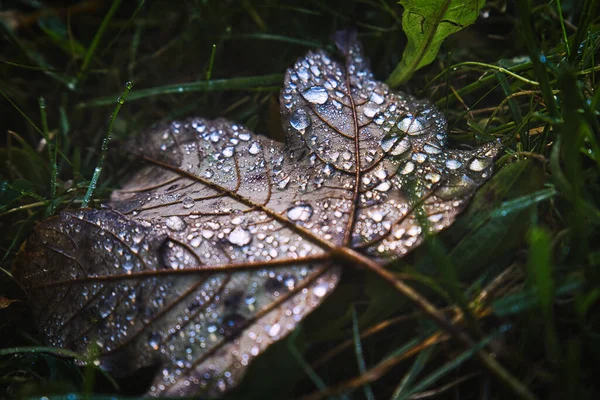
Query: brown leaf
column 226, row 239
column 6, row 302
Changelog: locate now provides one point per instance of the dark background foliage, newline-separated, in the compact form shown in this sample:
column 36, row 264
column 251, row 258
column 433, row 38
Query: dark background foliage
column 522, row 262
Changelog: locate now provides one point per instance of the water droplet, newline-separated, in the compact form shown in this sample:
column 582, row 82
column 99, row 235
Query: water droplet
column 408, row 168
column 379, row 119
column 321, row 289
column 376, row 215
column 479, row 164
column 228, row 151
column 383, row 186
column 436, row 217
column 411, row 125
column 245, row 136
column 154, row 341
column 316, row 95
column 175, row 223
column 300, row 212
column 419, row 157
column 433, row 177
column 300, row 120
column 376, row 98
column 254, row 148
column 390, row 144
column 430, row 149
column 207, row 233
column 453, row 164
column 388, row 141
column 381, row 174
column 239, row 236
column 209, row 173
column 370, row 111
column 274, row 330
column 187, row 202
column 328, row 170
column 282, row 184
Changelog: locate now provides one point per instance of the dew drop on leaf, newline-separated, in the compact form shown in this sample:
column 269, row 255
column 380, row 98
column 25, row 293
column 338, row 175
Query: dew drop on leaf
column 479, row 164
column 300, row 212
column 316, row 95
column 175, row 223
column 453, row 164
column 239, row 236
column 187, row 202
column 254, row 148
column 300, row 120
column 412, row 126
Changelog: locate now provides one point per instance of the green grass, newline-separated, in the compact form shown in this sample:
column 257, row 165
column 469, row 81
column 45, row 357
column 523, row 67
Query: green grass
column 523, row 262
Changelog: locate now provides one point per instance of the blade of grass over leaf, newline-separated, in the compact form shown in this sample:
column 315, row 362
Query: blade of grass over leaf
column 83, row 70
column 104, row 148
column 426, row 24
column 200, row 86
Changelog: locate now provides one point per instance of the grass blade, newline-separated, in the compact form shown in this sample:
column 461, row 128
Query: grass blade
column 104, row 149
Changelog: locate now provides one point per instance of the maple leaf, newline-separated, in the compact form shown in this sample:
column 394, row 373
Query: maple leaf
column 225, row 240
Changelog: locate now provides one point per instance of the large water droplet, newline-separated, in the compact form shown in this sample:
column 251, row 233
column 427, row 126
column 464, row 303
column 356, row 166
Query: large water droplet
column 408, row 168
column 453, row 164
column 411, row 125
column 370, row 111
column 388, row 142
column 383, row 186
column 376, row 98
column 282, row 184
column 254, row 148
column 228, row 151
column 300, row 120
column 175, row 223
column 274, row 330
column 316, row 95
column 300, row 212
column 376, row 215
column 239, row 236
column 479, row 164
column 321, row 289
column 245, row 136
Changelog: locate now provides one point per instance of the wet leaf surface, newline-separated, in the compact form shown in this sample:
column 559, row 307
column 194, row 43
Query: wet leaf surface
column 226, row 239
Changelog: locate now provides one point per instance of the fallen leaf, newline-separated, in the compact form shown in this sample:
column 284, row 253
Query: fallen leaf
column 226, row 239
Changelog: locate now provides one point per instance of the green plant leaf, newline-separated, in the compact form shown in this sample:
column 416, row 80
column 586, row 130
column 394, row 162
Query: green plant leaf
column 426, row 24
